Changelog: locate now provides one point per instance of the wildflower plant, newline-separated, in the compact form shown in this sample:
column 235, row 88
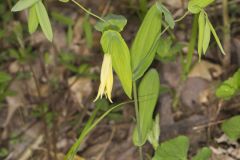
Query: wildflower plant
column 132, row 66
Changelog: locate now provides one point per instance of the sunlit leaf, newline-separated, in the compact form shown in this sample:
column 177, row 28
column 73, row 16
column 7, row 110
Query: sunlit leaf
column 167, row 15
column 113, row 43
column 195, row 6
column 44, row 20
column 216, row 36
column 32, row 19
column 23, row 4
column 148, row 93
column 154, row 133
column 201, row 25
column 204, row 154
column 207, row 36
column 113, row 22
column 144, row 46
column 231, row 127
column 230, row 87
column 174, row 149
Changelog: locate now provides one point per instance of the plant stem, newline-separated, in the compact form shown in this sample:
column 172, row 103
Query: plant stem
column 137, row 118
column 191, row 46
column 182, row 17
column 226, row 36
column 87, row 11
column 91, row 124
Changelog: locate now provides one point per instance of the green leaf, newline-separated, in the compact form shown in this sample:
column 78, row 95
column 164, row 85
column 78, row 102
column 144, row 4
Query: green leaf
column 148, row 93
column 174, row 149
column 230, row 87
column 144, row 46
column 90, row 125
column 32, row 19
column 215, row 36
column 143, row 5
column 4, row 77
column 87, row 27
column 167, row 14
column 112, row 22
column 113, row 43
column 44, row 20
column 204, row 154
column 3, row 152
column 207, row 36
column 154, row 133
column 195, row 6
column 23, row 4
column 201, row 25
column 231, row 127
column 62, row 18
column 166, row 51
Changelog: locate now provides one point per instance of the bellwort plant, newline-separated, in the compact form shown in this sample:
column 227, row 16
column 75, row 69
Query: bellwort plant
column 132, row 64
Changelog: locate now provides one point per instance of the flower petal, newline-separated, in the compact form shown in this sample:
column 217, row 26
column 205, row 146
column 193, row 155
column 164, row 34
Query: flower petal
column 109, row 85
column 106, row 78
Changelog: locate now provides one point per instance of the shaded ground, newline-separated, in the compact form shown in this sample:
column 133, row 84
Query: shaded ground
column 52, row 100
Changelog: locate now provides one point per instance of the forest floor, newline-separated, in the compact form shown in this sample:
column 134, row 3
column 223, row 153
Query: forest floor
column 54, row 85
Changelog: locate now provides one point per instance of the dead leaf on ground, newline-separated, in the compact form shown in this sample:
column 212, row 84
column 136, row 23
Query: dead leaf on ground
column 206, row 70
column 81, row 88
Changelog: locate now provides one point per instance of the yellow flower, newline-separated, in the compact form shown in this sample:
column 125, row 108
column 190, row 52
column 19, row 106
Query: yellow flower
column 106, row 79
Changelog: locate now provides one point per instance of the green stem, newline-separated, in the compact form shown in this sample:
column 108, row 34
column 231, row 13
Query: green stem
column 182, row 17
column 191, row 46
column 87, row 11
column 91, row 124
column 137, row 118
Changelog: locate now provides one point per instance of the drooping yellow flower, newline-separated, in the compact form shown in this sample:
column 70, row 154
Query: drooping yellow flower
column 106, row 78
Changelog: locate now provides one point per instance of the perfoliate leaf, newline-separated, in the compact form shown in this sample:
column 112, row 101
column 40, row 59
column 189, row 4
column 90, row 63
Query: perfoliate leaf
column 32, row 19
column 215, row 36
column 174, row 149
column 195, row 6
column 44, row 20
column 113, row 43
column 204, row 154
column 201, row 25
column 207, row 36
column 144, row 45
column 167, row 15
column 23, row 4
column 231, row 127
column 148, row 93
column 113, row 22
column 230, row 87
